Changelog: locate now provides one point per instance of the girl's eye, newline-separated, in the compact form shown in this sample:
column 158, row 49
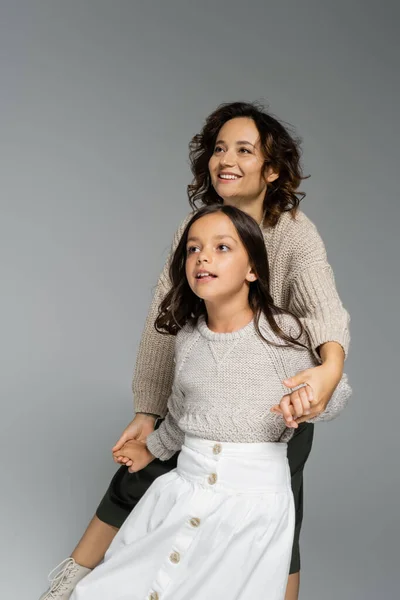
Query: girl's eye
column 224, row 247
column 192, row 249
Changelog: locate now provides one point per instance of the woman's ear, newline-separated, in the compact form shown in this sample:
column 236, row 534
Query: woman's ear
column 271, row 175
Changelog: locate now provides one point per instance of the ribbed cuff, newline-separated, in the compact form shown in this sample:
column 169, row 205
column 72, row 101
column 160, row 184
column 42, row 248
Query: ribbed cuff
column 157, row 448
column 315, row 300
column 143, row 404
column 320, row 334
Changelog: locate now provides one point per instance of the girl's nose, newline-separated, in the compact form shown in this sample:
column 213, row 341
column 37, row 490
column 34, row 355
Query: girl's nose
column 202, row 257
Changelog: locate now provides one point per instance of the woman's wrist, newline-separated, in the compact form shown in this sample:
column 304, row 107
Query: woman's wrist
column 150, row 415
column 332, row 355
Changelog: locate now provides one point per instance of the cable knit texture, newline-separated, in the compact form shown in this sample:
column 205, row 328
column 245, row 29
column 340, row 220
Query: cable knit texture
column 302, row 281
column 226, row 383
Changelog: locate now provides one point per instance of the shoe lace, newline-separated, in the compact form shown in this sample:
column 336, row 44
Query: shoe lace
column 58, row 577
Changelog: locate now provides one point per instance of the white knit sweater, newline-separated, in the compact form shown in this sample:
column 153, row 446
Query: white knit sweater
column 226, row 383
column 302, row 281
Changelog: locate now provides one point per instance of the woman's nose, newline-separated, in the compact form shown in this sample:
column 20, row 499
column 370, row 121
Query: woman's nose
column 228, row 158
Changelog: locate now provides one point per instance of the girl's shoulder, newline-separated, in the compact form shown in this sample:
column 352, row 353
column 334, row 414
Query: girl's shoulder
column 185, row 339
column 290, row 325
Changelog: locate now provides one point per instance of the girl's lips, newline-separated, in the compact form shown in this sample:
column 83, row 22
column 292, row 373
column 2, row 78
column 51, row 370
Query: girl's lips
column 205, row 279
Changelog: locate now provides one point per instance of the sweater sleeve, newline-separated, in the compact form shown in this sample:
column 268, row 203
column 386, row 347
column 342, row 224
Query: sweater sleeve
column 152, row 380
column 165, row 441
column 313, row 294
column 302, row 359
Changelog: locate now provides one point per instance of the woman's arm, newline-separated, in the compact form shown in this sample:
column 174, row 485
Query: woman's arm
column 314, row 299
column 152, row 381
column 313, row 296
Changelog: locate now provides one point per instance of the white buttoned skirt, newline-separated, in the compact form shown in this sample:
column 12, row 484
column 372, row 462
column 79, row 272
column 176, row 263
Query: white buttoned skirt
column 219, row 526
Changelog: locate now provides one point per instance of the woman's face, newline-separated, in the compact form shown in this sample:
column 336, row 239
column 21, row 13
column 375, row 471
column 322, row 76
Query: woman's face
column 217, row 264
column 237, row 167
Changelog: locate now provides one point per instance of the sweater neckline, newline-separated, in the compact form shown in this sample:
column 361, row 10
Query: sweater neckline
column 222, row 337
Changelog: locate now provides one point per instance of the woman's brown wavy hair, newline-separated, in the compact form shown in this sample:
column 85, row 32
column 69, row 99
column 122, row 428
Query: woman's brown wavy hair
column 182, row 306
column 281, row 151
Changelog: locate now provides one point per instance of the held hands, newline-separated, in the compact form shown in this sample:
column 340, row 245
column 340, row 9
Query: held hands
column 135, row 455
column 307, row 402
column 137, row 431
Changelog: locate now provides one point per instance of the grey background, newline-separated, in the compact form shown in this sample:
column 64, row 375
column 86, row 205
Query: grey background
column 98, row 102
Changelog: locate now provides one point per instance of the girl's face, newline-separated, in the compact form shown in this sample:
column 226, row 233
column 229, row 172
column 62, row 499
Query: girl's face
column 217, row 264
column 237, row 167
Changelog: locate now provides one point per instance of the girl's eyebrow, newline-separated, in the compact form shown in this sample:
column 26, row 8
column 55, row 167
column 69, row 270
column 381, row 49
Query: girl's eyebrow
column 238, row 143
column 217, row 237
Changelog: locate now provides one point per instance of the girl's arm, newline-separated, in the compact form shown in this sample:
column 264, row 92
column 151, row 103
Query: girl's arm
column 165, row 441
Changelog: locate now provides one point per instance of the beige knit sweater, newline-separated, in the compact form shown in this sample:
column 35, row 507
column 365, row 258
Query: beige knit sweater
column 226, row 383
column 302, row 281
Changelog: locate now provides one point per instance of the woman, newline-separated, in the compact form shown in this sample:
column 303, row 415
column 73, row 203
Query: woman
column 245, row 158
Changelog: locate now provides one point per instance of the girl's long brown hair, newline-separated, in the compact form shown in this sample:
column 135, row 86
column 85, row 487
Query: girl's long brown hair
column 182, row 306
column 281, row 151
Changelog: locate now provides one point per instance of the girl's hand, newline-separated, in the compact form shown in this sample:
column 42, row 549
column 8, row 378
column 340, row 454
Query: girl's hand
column 307, row 402
column 135, row 455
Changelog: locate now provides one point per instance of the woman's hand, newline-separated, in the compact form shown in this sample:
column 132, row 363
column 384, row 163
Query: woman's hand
column 138, row 429
column 135, row 455
column 307, row 402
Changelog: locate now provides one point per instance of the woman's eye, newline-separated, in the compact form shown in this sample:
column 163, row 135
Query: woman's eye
column 244, row 150
column 217, row 150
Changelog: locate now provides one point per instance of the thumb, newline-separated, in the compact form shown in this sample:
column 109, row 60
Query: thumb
column 296, row 380
column 122, row 440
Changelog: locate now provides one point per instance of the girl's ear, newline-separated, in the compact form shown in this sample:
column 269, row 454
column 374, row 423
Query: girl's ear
column 251, row 276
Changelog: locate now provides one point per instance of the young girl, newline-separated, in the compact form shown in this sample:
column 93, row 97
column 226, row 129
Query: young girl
column 222, row 523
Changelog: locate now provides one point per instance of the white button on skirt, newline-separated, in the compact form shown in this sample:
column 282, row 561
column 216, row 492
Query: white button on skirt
column 219, row 526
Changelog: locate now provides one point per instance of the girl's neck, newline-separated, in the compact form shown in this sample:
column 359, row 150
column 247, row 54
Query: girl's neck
column 225, row 318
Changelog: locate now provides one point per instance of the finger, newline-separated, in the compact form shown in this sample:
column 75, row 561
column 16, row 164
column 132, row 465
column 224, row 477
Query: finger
column 277, row 409
column 285, row 408
column 122, row 440
column 297, row 404
column 304, row 400
column 310, row 392
column 296, row 380
column 314, row 412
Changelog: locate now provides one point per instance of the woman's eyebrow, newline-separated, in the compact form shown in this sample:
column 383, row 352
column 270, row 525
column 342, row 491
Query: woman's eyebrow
column 238, row 143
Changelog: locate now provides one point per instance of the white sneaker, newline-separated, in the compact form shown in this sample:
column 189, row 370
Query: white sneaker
column 63, row 580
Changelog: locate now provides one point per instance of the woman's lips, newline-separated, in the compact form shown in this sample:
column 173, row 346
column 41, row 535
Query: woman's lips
column 228, row 177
